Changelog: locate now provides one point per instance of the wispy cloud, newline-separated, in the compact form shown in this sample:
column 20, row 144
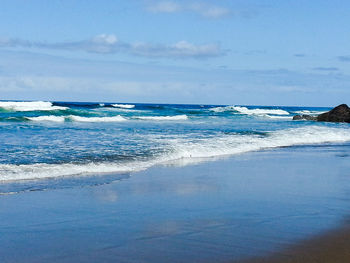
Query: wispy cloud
column 27, row 75
column 164, row 7
column 181, row 49
column 203, row 9
column 109, row 44
column 210, row 11
column 326, row 68
column 14, row 42
column 344, row 58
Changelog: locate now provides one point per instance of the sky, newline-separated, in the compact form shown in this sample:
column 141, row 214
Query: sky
column 237, row 52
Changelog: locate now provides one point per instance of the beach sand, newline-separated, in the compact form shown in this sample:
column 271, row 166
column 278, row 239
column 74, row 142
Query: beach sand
column 331, row 247
column 269, row 205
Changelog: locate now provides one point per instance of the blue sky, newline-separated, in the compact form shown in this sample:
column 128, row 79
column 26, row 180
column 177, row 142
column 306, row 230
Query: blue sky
column 289, row 52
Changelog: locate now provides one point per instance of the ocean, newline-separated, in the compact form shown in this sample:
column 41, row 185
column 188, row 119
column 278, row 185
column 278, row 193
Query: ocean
column 45, row 145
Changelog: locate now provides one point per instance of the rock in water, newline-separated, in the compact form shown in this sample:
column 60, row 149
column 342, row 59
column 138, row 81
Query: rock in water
column 340, row 113
column 305, row 117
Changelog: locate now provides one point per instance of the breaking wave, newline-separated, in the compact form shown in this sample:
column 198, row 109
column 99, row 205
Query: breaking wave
column 118, row 118
column 245, row 110
column 184, row 148
column 47, row 118
column 278, row 117
column 163, row 118
column 97, row 119
column 240, row 143
column 52, row 118
column 308, row 112
column 123, row 106
column 29, row 106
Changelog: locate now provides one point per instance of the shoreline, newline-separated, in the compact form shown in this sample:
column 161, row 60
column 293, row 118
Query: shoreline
column 239, row 208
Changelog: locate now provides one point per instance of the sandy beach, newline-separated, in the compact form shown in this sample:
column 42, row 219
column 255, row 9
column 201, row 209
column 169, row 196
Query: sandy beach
column 282, row 205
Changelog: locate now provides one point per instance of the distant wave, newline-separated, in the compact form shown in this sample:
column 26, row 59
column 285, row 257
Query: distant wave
column 245, row 110
column 184, row 148
column 29, row 106
column 97, row 119
column 118, row 118
column 309, row 112
column 123, row 106
column 278, row 117
column 53, row 118
column 87, row 105
column 163, row 118
column 47, row 118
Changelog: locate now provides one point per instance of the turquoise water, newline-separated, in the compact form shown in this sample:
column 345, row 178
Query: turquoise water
column 65, row 141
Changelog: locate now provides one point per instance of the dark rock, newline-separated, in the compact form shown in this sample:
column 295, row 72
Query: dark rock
column 340, row 113
column 305, row 117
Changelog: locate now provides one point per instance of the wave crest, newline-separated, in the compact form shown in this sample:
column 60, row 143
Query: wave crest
column 123, row 106
column 47, row 118
column 29, row 106
column 308, row 112
column 163, row 118
column 117, row 118
column 245, row 110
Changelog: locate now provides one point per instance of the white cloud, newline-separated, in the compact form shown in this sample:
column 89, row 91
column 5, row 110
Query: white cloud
column 105, row 39
column 109, row 44
column 31, row 87
column 209, row 10
column 200, row 8
column 181, row 49
column 164, row 7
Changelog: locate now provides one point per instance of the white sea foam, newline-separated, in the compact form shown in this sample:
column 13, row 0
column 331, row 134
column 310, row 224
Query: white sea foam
column 47, row 118
column 309, row 112
column 237, row 143
column 29, row 106
column 186, row 149
column 222, row 109
column 245, row 110
column 163, row 118
column 124, row 106
column 97, row 119
column 76, row 118
column 9, row 172
column 278, row 117
column 113, row 109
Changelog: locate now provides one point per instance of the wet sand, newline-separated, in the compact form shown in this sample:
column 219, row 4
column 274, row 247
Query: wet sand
column 257, row 206
column 332, row 247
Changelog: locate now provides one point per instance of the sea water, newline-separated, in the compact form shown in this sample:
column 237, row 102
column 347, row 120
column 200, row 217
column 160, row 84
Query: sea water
column 62, row 144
